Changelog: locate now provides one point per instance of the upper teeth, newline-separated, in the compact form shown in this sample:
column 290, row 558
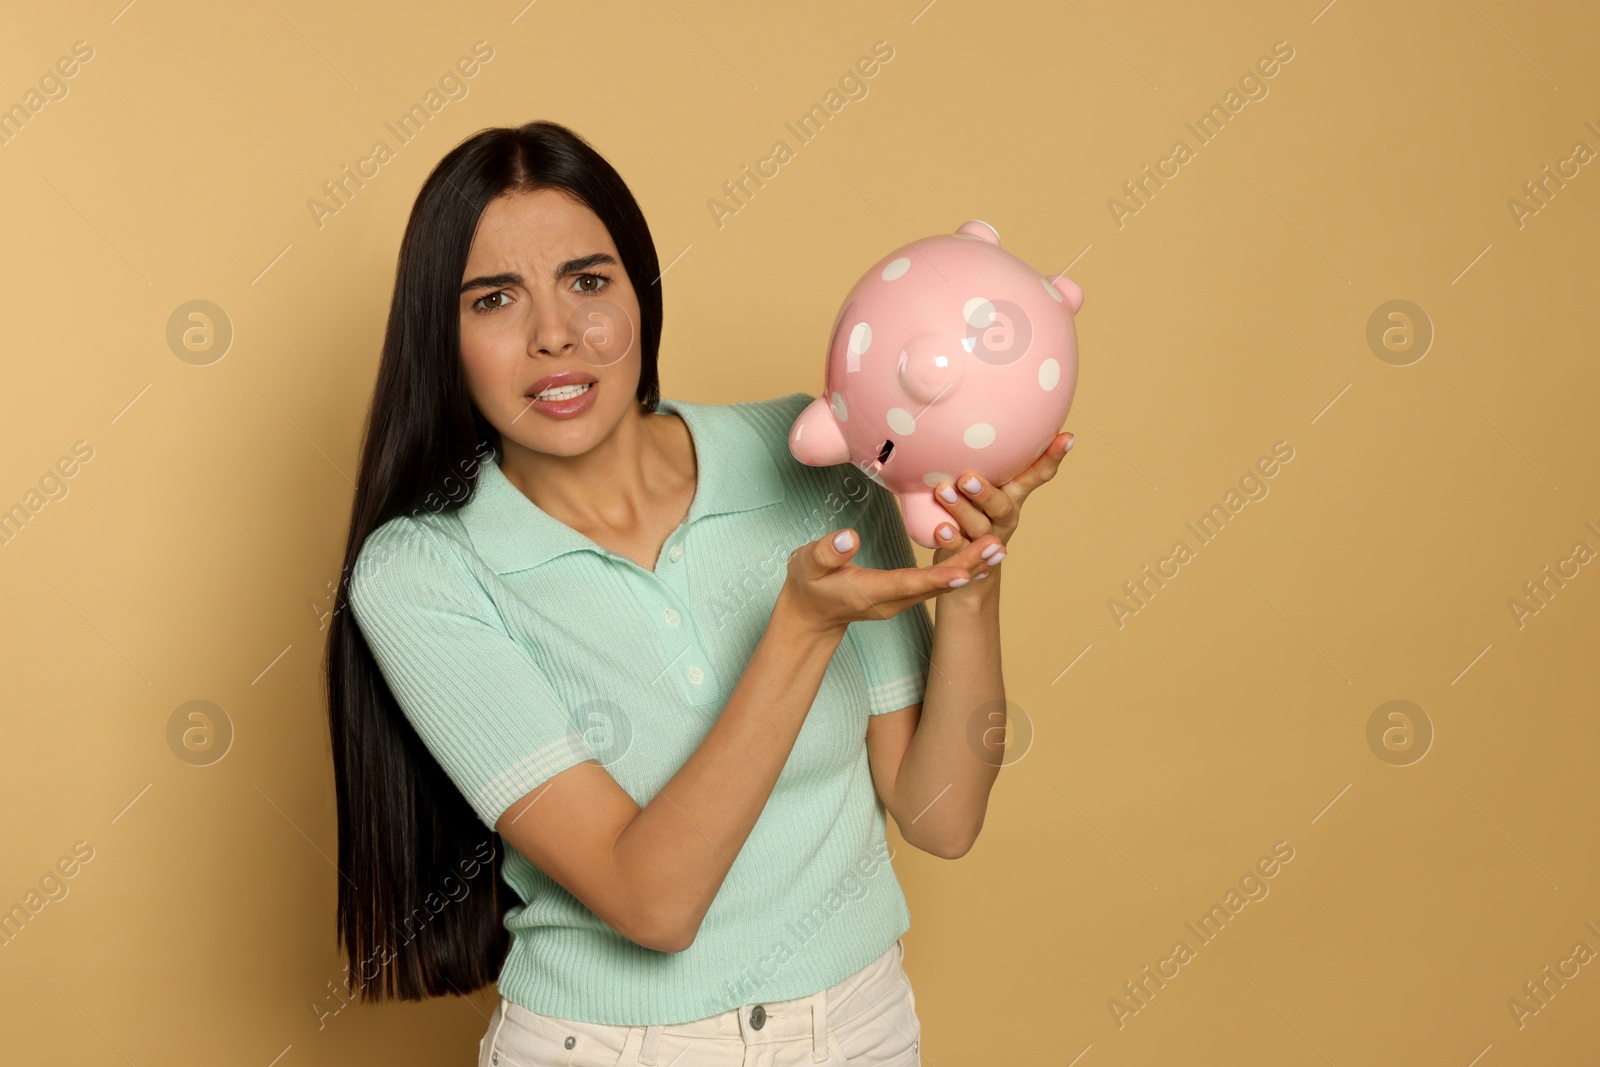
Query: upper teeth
column 563, row 392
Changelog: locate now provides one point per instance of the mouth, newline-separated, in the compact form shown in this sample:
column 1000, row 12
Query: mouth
column 558, row 393
column 560, row 399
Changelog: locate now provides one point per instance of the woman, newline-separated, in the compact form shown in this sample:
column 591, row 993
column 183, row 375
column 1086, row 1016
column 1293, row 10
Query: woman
column 678, row 673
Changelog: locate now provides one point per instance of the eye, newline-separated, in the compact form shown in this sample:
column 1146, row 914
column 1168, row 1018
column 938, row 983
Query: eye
column 502, row 294
column 604, row 283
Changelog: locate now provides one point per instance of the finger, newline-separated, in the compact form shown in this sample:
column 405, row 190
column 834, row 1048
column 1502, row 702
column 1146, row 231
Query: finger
column 995, row 503
column 974, row 523
column 987, row 551
column 828, row 552
column 1044, row 468
column 883, row 594
column 919, row 582
column 948, row 536
column 972, row 561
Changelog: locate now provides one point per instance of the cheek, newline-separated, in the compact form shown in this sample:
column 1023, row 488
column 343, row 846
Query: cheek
column 490, row 362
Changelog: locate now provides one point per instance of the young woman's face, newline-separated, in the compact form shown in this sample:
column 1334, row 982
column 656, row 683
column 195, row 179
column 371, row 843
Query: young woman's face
column 544, row 296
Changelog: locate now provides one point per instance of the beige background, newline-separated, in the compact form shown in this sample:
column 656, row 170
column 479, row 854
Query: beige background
column 191, row 554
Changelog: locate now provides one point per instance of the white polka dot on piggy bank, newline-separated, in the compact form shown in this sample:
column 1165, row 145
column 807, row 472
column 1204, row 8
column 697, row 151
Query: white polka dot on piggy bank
column 949, row 355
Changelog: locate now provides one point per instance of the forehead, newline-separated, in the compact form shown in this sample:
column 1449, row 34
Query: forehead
column 537, row 229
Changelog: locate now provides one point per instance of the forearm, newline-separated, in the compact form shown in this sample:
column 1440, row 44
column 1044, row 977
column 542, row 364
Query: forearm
column 680, row 846
column 942, row 788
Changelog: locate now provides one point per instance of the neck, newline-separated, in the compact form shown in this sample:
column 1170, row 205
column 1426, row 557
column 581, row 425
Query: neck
column 604, row 486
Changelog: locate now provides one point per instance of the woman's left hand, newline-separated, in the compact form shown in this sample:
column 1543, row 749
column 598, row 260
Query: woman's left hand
column 980, row 507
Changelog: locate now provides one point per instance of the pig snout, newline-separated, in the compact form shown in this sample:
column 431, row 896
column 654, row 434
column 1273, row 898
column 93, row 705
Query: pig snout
column 931, row 367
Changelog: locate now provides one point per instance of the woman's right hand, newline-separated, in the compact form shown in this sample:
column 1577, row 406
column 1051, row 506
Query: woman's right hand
column 828, row 592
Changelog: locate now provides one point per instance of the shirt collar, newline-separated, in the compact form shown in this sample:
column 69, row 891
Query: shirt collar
column 735, row 472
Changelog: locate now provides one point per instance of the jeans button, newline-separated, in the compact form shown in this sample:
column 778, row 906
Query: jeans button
column 569, row 1042
column 758, row 1017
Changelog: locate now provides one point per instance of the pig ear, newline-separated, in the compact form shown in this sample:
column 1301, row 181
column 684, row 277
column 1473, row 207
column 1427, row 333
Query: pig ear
column 981, row 230
column 1070, row 291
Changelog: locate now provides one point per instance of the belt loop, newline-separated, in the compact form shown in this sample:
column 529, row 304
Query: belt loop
column 819, row 1027
column 652, row 1038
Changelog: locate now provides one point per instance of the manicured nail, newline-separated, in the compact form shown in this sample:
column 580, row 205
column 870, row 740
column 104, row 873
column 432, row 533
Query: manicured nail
column 988, row 553
column 1070, row 438
column 957, row 581
column 947, row 533
column 985, row 574
column 842, row 540
column 994, row 561
column 948, row 494
column 971, row 485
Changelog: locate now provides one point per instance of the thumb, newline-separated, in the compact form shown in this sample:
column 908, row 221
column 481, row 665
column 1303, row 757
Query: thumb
column 831, row 551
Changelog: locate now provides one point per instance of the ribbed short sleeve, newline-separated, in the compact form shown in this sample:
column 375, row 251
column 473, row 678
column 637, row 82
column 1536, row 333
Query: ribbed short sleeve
column 894, row 652
column 480, row 703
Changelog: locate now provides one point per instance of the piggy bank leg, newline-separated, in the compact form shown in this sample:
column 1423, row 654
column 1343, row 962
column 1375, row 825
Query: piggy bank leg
column 923, row 514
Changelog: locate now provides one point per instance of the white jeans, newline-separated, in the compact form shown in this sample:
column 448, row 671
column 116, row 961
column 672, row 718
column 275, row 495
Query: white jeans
column 867, row 1020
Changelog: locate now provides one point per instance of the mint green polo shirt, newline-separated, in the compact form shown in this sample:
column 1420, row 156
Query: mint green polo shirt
column 517, row 647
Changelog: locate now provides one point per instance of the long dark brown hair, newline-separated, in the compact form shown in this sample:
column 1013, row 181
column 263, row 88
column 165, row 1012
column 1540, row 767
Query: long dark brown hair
column 405, row 832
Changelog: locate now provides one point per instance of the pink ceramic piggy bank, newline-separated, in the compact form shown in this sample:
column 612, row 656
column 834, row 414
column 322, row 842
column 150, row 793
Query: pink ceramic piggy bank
column 949, row 355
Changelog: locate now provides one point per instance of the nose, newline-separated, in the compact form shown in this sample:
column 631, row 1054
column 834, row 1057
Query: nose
column 553, row 328
column 930, row 367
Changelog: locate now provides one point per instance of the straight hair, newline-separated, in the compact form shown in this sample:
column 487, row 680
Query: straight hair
column 405, row 831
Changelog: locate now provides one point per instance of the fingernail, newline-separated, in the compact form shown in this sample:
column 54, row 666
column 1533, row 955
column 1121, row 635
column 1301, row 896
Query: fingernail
column 971, row 485
column 1070, row 438
column 994, row 561
column 989, row 552
column 985, row 574
column 947, row 533
column 842, row 540
column 957, row 581
column 948, row 494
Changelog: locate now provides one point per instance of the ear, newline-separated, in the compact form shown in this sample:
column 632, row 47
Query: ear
column 981, row 230
column 1071, row 292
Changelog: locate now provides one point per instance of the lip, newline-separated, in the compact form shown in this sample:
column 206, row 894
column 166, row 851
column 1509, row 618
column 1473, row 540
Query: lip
column 564, row 409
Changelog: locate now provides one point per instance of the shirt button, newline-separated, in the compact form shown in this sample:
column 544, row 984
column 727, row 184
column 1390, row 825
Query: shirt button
column 696, row 675
column 672, row 618
column 677, row 553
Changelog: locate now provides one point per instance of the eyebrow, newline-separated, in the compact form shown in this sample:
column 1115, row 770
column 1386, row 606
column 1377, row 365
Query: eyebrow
column 571, row 266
